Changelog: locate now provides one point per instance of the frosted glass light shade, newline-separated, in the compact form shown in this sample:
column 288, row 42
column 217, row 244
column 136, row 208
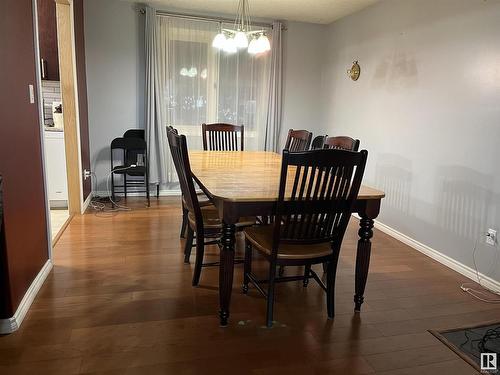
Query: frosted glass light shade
column 264, row 44
column 253, row 47
column 230, row 46
column 219, row 41
column 241, row 40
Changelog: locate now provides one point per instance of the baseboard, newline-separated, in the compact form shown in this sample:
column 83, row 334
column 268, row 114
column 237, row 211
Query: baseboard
column 56, row 238
column 439, row 257
column 163, row 193
column 86, row 203
column 12, row 324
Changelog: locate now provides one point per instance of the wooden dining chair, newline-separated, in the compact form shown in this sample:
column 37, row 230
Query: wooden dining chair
column 310, row 221
column 342, row 142
column 203, row 200
column 318, row 142
column 202, row 220
column 298, row 140
column 223, row 137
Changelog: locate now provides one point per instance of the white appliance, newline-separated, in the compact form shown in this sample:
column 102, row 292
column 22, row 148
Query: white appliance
column 55, row 163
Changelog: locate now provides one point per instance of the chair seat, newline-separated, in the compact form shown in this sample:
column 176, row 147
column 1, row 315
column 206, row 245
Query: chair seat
column 203, row 200
column 212, row 221
column 261, row 237
column 133, row 171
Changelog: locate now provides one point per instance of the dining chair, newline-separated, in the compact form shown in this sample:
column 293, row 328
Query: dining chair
column 342, row 142
column 310, row 220
column 318, row 142
column 223, row 137
column 298, row 140
column 134, row 153
column 202, row 220
column 203, row 200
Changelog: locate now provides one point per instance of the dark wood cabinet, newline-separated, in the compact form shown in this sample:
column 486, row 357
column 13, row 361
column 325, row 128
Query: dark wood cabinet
column 47, row 30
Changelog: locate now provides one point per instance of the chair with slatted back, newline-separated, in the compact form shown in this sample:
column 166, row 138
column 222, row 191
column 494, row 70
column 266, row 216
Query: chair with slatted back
column 202, row 220
column 223, row 137
column 298, row 140
column 318, row 142
column 317, row 193
column 342, row 142
column 203, row 201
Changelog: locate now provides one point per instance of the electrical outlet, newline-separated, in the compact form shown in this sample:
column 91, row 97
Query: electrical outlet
column 491, row 237
column 86, row 174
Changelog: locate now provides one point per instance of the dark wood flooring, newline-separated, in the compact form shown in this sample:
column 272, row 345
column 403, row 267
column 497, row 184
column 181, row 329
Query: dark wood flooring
column 120, row 301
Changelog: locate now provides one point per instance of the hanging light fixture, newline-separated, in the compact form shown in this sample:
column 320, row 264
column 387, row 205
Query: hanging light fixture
column 220, row 39
column 241, row 36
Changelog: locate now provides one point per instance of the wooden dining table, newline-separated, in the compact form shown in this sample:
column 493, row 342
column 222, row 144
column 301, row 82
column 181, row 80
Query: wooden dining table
column 245, row 183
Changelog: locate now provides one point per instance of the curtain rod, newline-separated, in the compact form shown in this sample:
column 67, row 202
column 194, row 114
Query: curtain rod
column 208, row 19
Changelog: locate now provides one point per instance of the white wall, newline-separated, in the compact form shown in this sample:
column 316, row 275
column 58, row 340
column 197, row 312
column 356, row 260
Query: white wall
column 114, row 34
column 427, row 107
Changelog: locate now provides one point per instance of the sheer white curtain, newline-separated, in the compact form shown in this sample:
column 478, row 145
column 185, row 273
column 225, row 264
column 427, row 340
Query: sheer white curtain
column 198, row 84
column 243, row 92
column 275, row 97
column 160, row 168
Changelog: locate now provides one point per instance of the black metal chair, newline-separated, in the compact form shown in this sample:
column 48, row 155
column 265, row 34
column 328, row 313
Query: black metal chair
column 318, row 142
column 298, row 140
column 135, row 133
column 202, row 221
column 134, row 153
column 309, row 225
column 140, row 133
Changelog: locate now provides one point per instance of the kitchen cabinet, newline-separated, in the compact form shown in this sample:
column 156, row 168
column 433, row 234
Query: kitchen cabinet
column 47, row 32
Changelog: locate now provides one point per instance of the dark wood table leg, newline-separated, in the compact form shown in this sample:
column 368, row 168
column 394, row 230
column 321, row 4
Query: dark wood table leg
column 226, row 271
column 367, row 210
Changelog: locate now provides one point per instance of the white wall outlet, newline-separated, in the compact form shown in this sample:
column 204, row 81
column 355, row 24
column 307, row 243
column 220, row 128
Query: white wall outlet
column 491, row 237
column 86, row 174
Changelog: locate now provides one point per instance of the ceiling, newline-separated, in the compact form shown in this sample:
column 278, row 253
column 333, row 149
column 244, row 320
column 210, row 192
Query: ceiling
column 314, row 11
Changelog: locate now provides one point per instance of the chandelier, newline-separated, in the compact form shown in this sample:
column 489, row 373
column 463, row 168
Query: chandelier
column 242, row 36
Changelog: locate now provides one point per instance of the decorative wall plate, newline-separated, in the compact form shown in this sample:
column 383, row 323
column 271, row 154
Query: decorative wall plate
column 355, row 71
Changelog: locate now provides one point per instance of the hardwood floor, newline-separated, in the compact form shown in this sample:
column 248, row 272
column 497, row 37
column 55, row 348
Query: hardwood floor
column 120, row 301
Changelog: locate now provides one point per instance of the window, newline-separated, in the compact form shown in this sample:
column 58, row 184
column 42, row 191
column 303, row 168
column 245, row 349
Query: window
column 202, row 84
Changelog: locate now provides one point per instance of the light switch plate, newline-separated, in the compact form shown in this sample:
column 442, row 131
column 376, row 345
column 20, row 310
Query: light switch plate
column 32, row 94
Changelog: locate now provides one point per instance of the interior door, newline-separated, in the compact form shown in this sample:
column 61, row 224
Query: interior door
column 26, row 243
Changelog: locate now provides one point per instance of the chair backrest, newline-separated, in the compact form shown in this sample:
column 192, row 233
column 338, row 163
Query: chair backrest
column 316, row 201
column 222, row 137
column 298, row 140
column 135, row 133
column 132, row 147
column 179, row 151
column 318, row 142
column 342, row 142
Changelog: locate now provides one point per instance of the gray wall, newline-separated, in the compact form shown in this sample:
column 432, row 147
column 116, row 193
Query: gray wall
column 427, row 107
column 303, row 62
column 114, row 42
column 114, row 35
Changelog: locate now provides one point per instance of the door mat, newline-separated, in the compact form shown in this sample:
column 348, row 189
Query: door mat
column 471, row 341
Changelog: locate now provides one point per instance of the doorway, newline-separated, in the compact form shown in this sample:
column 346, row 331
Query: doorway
column 59, row 114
